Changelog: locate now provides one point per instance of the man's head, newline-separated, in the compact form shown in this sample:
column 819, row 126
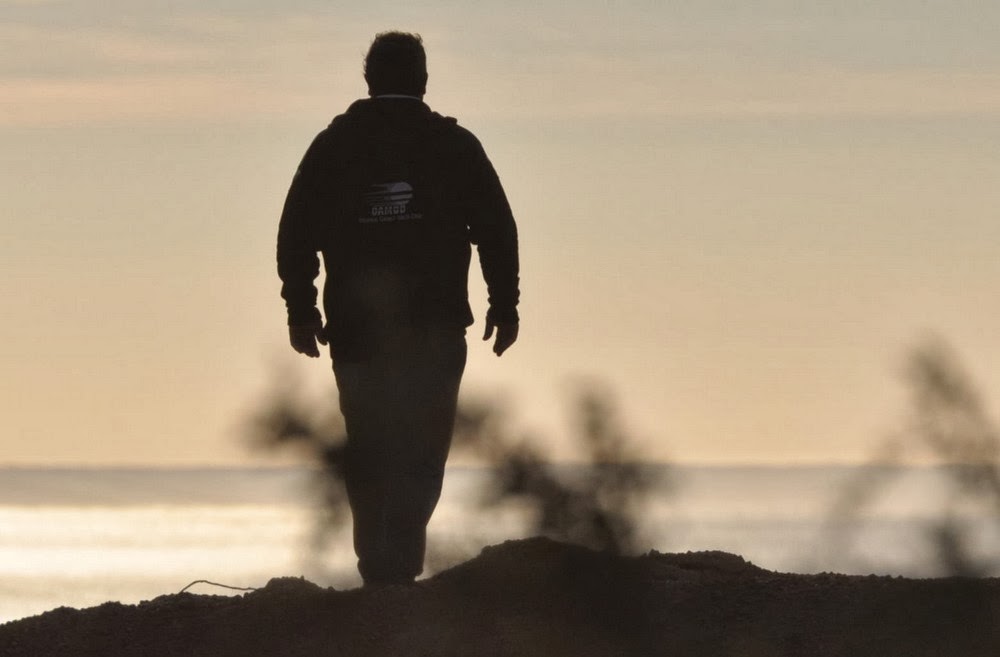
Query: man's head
column 396, row 64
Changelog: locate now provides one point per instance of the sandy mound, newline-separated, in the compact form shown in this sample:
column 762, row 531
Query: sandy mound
column 538, row 597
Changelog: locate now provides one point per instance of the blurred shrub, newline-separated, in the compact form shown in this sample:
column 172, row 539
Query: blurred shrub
column 947, row 425
column 596, row 503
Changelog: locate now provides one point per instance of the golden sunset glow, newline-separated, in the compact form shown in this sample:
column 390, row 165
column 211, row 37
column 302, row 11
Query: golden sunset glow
column 738, row 218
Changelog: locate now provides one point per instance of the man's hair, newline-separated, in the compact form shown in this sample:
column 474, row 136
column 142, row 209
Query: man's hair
column 396, row 64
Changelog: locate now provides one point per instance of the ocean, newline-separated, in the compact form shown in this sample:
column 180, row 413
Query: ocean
column 79, row 538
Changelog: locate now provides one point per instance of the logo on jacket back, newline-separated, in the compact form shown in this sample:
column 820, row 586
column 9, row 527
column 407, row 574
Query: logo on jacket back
column 386, row 202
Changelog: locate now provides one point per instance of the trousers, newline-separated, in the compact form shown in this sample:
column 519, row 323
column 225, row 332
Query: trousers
column 399, row 406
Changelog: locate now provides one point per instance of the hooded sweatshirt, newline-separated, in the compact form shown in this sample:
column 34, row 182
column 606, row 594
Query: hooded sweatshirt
column 393, row 195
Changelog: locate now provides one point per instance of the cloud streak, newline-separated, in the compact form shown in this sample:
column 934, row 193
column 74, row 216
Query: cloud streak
column 203, row 64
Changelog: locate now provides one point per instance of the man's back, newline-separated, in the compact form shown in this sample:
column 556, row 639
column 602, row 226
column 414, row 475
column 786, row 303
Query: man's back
column 393, row 193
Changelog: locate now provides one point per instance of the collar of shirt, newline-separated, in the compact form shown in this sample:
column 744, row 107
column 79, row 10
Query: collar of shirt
column 398, row 96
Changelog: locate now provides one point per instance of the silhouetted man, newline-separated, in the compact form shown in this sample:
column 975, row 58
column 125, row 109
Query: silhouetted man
column 393, row 195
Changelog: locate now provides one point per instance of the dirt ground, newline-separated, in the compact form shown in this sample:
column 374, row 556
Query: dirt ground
column 539, row 597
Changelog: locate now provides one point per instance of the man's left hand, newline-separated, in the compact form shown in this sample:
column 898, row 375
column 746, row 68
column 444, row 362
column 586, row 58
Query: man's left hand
column 303, row 338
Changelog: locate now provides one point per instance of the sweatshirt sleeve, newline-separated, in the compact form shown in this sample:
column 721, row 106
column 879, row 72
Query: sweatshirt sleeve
column 494, row 232
column 298, row 262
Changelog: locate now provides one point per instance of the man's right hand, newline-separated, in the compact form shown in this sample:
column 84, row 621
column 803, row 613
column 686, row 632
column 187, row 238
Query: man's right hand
column 506, row 335
column 304, row 337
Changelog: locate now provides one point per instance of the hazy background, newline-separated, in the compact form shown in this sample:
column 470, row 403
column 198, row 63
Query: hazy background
column 740, row 217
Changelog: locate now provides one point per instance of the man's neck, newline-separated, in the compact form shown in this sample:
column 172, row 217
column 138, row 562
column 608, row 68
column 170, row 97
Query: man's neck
column 420, row 98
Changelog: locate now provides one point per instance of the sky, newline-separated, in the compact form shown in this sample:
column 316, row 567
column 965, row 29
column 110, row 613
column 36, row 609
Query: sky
column 737, row 218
